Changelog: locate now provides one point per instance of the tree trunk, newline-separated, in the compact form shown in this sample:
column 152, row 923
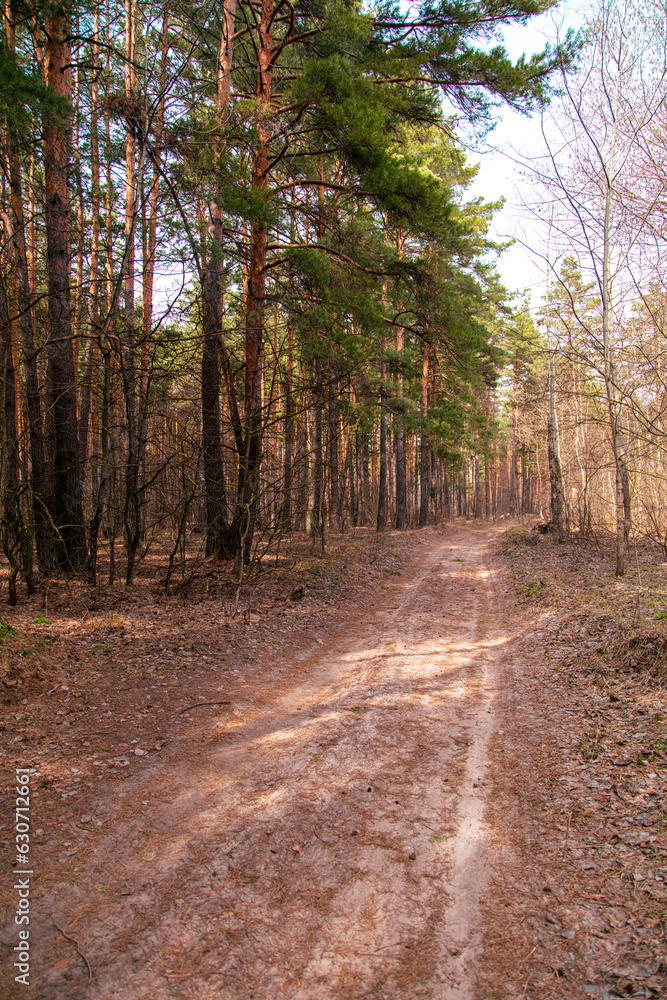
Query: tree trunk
column 618, row 437
column 382, row 479
column 335, row 515
column 93, row 295
column 317, row 524
column 424, row 463
column 478, row 489
column 357, row 499
column 365, row 481
column 68, row 506
column 15, row 544
column 214, row 482
column 240, row 532
column 150, row 237
column 487, row 481
column 303, row 466
column 100, row 501
column 401, row 479
column 14, row 224
column 212, row 313
column 553, row 457
column 463, row 509
column 514, row 482
column 350, row 478
column 131, row 512
column 401, row 470
column 288, row 426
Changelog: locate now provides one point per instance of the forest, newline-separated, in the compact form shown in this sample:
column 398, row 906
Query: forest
column 244, row 292
column 333, row 560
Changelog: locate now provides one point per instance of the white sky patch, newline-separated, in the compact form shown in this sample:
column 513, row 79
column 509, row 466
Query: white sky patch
column 515, row 138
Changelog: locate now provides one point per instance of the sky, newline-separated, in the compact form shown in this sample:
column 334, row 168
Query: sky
column 514, row 136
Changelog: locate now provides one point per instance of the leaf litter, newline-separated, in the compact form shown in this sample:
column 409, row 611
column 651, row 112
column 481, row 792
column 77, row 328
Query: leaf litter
column 581, row 873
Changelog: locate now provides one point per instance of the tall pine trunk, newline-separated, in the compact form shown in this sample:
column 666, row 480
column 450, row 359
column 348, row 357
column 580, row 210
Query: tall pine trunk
column 237, row 538
column 401, row 470
column 478, row 487
column 514, row 480
column 382, row 479
column 212, row 311
column 33, row 409
column 288, row 426
column 131, row 511
column 93, row 294
column 334, row 472
column 424, row 447
column 61, row 397
column 317, row 524
column 12, row 534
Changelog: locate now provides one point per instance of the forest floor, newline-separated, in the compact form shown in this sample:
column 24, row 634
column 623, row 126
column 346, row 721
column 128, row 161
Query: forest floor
column 432, row 764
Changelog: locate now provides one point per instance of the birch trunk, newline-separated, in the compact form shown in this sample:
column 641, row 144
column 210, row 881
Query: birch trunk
column 618, row 436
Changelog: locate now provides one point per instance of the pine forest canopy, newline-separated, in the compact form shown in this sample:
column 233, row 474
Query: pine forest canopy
column 332, row 354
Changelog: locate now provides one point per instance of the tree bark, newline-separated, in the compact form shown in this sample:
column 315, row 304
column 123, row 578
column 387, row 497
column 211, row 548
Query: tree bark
column 67, row 505
column 15, row 544
column 618, row 437
column 93, row 295
column 317, row 526
column 424, row 446
column 514, row 482
column 15, row 231
column 212, row 311
column 478, row 488
column 288, row 426
column 334, row 472
column 553, row 457
column 240, row 532
column 401, row 470
column 131, row 512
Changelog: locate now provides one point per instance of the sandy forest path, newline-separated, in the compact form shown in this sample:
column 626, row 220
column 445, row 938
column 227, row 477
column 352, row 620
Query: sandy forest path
column 423, row 783
column 330, row 842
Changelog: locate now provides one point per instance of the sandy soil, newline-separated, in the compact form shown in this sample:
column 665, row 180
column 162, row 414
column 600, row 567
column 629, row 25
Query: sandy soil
column 339, row 829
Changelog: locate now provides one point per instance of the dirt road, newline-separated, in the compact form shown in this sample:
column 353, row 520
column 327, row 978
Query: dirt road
column 325, row 840
column 422, row 779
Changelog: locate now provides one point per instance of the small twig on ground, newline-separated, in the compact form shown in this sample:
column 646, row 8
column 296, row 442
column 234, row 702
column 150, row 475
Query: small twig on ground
column 76, row 945
column 524, row 960
column 329, row 843
column 200, row 704
column 378, row 950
